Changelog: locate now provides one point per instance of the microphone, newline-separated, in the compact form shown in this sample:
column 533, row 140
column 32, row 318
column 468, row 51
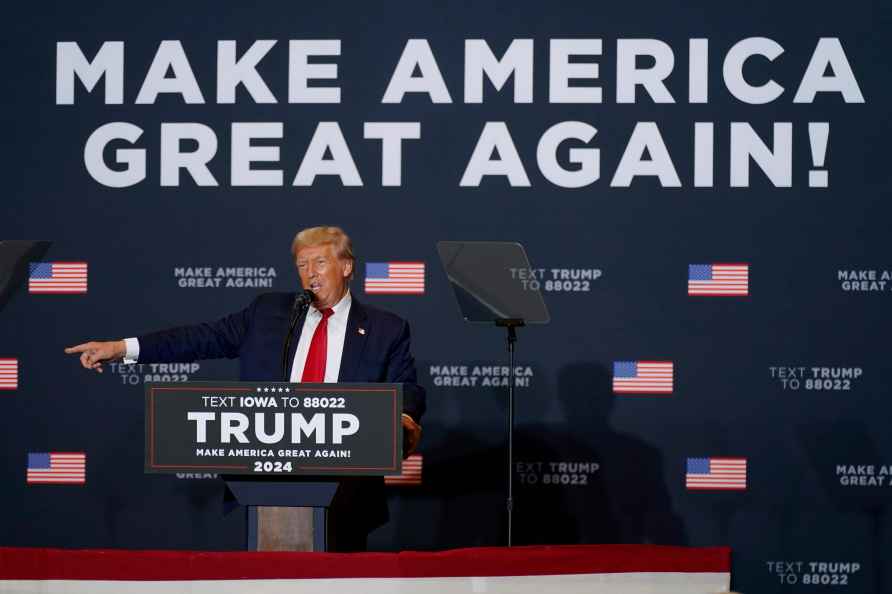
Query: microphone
column 302, row 302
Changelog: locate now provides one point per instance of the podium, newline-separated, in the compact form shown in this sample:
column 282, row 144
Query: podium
column 280, row 448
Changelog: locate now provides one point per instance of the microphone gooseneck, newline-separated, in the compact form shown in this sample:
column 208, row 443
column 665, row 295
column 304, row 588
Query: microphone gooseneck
column 302, row 302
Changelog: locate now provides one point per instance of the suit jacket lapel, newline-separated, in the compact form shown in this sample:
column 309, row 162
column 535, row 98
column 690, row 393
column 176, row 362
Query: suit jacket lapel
column 354, row 342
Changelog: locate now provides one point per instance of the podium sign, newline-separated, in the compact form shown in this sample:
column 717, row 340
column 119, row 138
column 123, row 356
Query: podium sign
column 274, row 428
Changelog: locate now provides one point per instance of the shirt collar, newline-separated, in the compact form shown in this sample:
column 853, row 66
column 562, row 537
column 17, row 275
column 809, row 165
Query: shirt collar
column 339, row 308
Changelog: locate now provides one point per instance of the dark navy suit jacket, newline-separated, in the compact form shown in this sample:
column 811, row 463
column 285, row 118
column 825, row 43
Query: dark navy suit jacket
column 256, row 335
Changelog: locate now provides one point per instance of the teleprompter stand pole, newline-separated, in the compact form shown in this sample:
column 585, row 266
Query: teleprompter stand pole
column 511, row 325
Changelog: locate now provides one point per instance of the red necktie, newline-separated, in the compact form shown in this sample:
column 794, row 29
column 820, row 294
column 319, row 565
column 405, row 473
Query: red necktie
column 314, row 368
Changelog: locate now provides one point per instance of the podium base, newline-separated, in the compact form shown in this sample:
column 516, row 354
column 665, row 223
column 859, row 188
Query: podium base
column 275, row 528
column 283, row 515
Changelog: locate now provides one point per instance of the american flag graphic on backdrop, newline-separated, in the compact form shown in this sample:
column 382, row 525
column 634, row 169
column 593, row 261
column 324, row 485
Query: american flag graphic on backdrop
column 394, row 278
column 411, row 474
column 9, row 374
column 57, row 468
column 57, row 277
column 716, row 474
column 642, row 377
column 719, row 280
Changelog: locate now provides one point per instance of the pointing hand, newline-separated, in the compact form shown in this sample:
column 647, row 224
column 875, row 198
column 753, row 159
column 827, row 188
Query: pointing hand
column 94, row 354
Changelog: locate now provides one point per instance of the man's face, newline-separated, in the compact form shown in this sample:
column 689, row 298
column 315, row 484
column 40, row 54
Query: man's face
column 322, row 272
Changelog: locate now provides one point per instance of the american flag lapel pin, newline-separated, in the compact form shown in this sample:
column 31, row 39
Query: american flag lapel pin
column 361, row 331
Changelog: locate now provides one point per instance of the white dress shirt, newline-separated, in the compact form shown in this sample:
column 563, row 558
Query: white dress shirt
column 337, row 331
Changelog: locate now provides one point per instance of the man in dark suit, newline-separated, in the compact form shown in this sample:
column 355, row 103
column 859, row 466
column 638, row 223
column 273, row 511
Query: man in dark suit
column 337, row 339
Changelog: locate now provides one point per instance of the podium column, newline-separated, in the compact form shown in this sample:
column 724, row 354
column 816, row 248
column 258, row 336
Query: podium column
column 281, row 528
column 283, row 516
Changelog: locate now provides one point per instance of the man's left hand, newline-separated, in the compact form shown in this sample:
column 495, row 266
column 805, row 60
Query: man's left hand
column 411, row 435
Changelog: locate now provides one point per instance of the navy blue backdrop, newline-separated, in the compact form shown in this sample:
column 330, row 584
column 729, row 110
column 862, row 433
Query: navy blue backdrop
column 792, row 376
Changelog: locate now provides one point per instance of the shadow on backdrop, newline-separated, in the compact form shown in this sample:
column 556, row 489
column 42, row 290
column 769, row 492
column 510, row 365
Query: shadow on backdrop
column 576, row 481
column 625, row 499
column 15, row 255
column 840, row 444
